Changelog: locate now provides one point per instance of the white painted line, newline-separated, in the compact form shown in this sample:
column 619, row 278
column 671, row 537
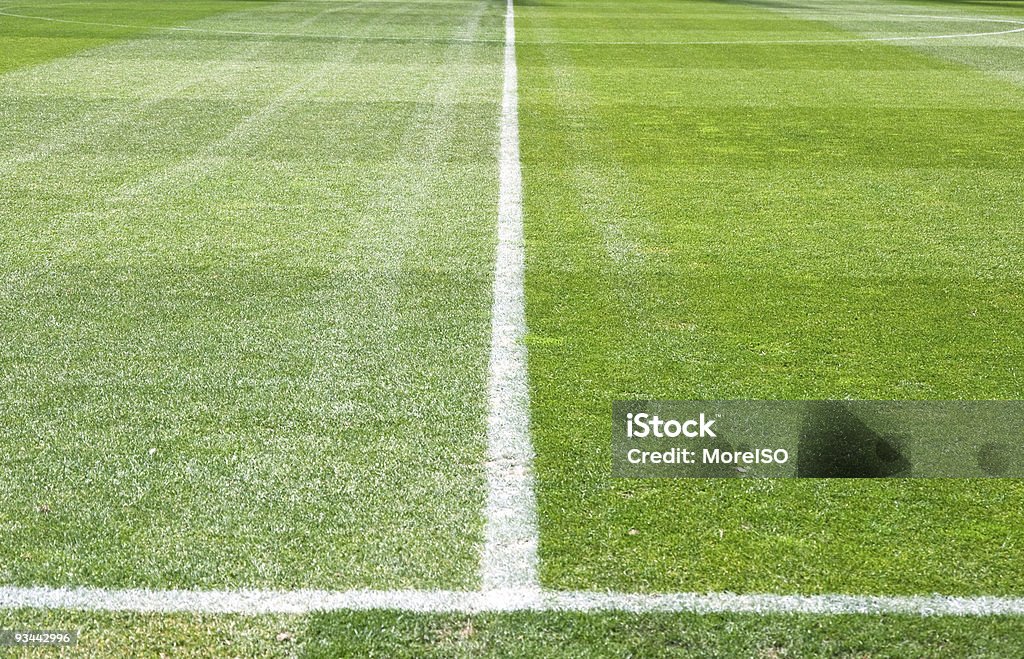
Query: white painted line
column 509, row 560
column 766, row 604
column 255, row 602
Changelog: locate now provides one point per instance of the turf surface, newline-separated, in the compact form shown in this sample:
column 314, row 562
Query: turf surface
column 37, row 38
column 246, row 252
column 245, row 308
column 822, row 219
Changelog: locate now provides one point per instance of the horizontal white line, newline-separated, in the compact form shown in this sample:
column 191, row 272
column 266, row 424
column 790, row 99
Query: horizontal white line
column 253, row 602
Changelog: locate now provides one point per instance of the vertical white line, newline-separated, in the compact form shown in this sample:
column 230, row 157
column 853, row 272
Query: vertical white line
column 509, row 562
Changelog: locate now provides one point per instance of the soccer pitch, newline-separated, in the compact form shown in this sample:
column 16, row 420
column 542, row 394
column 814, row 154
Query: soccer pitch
column 312, row 314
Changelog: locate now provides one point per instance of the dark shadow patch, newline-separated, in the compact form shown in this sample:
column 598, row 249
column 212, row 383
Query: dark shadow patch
column 995, row 458
column 834, row 443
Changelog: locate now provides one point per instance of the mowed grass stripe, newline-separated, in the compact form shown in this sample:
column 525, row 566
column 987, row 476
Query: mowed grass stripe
column 280, row 286
column 431, row 23
column 29, row 42
column 853, row 235
column 102, row 83
column 997, row 55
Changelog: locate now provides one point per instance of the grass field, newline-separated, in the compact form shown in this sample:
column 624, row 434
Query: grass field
column 789, row 221
column 239, row 334
column 247, row 265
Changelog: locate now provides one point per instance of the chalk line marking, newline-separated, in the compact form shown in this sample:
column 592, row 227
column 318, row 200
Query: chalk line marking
column 256, row 602
column 509, row 560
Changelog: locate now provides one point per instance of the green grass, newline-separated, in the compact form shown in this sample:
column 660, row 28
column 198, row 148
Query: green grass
column 245, row 301
column 245, row 305
column 386, row 634
column 766, row 221
column 95, row 23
